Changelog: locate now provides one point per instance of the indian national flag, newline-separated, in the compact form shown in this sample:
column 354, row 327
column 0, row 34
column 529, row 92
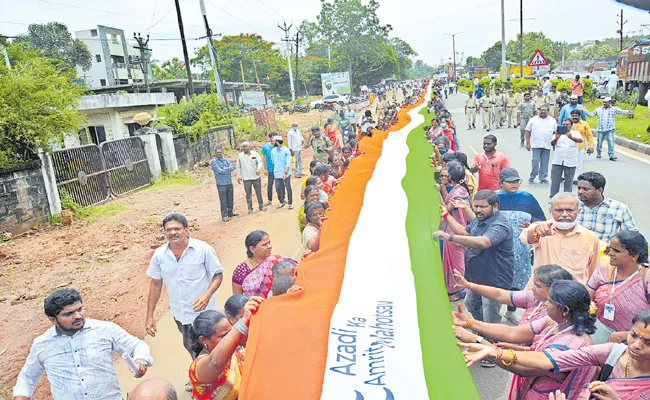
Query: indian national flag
column 373, row 320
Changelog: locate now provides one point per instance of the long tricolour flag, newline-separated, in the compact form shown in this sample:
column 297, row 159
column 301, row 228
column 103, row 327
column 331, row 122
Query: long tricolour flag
column 373, row 320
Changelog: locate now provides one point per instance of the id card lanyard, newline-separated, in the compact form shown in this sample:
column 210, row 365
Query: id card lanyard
column 541, row 342
column 532, row 314
column 609, row 311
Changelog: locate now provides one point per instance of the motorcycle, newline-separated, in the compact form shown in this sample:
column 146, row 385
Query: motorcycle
column 300, row 108
column 284, row 108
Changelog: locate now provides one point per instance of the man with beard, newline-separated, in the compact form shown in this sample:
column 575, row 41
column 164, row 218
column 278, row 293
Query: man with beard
column 562, row 241
column 565, row 111
column 606, row 125
column 539, row 133
column 600, row 214
column 489, row 164
column 489, row 258
column 77, row 353
column 192, row 273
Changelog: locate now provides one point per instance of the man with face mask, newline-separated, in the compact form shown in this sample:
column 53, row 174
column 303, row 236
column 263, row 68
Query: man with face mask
column 562, row 241
column 489, row 258
column 539, row 133
column 77, row 353
column 606, row 125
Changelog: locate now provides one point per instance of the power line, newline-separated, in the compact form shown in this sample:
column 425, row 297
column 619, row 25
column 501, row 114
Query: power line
column 227, row 13
column 171, row 7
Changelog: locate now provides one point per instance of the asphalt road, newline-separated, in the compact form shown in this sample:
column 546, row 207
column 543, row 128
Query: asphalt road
column 625, row 182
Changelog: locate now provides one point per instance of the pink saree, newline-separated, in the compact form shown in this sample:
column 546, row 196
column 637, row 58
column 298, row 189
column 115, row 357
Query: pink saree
column 260, row 280
column 453, row 256
column 538, row 388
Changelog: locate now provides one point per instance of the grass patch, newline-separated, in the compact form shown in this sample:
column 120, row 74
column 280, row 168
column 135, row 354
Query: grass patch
column 629, row 128
column 94, row 213
column 177, row 179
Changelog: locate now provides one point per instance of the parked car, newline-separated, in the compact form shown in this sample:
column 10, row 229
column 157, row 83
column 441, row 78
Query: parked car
column 330, row 98
column 601, row 88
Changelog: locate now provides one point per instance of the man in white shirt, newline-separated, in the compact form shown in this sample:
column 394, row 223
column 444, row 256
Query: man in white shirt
column 612, row 83
column 295, row 140
column 565, row 157
column 192, row 272
column 351, row 115
column 249, row 170
column 539, row 132
column 77, row 353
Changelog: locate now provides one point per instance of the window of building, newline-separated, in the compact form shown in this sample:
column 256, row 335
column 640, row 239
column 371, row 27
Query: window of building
column 98, row 57
column 132, row 128
column 84, row 139
column 93, row 32
column 102, row 82
column 124, row 82
column 97, row 134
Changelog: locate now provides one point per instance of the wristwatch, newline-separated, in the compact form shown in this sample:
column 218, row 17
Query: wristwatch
column 479, row 339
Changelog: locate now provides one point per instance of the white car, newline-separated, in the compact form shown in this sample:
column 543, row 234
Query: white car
column 330, row 98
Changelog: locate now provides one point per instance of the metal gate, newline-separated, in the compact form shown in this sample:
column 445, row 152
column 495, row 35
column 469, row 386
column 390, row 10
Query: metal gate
column 91, row 174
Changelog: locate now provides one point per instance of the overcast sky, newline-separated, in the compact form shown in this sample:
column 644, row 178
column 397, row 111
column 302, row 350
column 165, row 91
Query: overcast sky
column 422, row 24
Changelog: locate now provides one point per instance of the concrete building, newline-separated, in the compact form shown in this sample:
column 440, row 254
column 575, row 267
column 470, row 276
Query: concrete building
column 110, row 116
column 115, row 61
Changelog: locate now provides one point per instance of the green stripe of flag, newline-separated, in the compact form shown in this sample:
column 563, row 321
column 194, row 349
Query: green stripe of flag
column 446, row 375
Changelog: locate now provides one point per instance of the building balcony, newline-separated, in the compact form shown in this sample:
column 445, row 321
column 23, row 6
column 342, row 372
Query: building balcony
column 115, row 48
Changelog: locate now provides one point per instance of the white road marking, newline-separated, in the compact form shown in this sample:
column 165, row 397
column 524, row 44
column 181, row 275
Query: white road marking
column 473, row 149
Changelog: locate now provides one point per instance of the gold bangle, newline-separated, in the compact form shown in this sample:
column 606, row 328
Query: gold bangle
column 469, row 323
column 512, row 358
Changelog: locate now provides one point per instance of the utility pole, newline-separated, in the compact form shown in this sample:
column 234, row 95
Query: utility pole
column 286, row 39
column 259, row 87
column 297, row 84
column 453, row 41
column 243, row 79
column 208, row 32
column 144, row 61
column 190, row 85
column 620, row 31
column 4, row 51
column 521, row 38
column 503, row 41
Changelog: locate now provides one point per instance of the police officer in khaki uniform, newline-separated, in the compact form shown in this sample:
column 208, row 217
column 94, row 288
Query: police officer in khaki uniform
column 539, row 99
column 551, row 102
column 487, row 106
column 498, row 109
column 520, row 95
column 525, row 111
column 511, row 108
column 470, row 110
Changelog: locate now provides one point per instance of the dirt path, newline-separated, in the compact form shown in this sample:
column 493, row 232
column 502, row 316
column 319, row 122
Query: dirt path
column 106, row 261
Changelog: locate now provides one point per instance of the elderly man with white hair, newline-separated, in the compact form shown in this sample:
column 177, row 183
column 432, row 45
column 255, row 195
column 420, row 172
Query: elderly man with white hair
column 294, row 139
column 606, row 125
column 562, row 241
column 249, row 170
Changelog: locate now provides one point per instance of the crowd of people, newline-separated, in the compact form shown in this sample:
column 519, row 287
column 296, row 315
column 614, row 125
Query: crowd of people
column 584, row 331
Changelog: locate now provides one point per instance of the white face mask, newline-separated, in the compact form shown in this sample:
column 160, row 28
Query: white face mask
column 563, row 226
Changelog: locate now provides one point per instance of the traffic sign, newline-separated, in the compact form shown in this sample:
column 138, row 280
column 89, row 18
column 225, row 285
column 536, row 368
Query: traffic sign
column 538, row 60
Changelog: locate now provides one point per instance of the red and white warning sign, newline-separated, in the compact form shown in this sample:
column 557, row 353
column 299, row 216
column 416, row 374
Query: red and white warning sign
column 538, row 60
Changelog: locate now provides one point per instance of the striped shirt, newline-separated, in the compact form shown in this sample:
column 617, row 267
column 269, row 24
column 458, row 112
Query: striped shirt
column 606, row 117
column 607, row 218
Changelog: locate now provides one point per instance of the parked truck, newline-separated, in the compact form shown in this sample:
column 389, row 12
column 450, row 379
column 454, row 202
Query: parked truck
column 634, row 68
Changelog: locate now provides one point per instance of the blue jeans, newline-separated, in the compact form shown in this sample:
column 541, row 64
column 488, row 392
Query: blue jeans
column 482, row 308
column 610, row 142
column 540, row 163
column 298, row 162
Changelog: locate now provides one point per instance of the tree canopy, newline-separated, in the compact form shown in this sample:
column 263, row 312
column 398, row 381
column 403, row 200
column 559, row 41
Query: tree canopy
column 170, row 69
column 53, row 40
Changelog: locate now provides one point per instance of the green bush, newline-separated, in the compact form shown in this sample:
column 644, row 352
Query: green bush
column 195, row 117
column 246, row 129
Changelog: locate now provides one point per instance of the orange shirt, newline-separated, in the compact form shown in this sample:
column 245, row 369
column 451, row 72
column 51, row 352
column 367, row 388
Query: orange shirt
column 490, row 170
column 578, row 252
column 577, row 87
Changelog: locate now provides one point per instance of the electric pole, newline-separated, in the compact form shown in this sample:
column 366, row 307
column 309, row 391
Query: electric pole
column 190, row 85
column 503, row 41
column 286, row 39
column 257, row 77
column 453, row 41
column 297, row 84
column 144, row 65
column 521, row 38
column 620, row 31
column 208, row 32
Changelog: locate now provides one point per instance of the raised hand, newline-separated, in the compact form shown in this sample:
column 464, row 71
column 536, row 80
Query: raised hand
column 475, row 352
column 462, row 282
column 460, row 318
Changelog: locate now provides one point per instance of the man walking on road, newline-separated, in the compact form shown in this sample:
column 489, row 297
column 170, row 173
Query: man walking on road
column 294, row 139
column 520, row 95
column 282, row 172
column 565, row 158
column 77, row 353
column 600, row 214
column 588, row 141
column 268, row 164
column 539, row 132
column 525, row 111
column 606, row 125
column 489, row 164
column 249, row 168
column 511, row 107
column 562, row 100
column 222, row 167
column 551, row 101
column 471, row 104
column 565, row 112
column 487, row 106
column 499, row 108
column 577, row 88
column 320, row 144
column 189, row 268
column 546, row 85
column 539, row 99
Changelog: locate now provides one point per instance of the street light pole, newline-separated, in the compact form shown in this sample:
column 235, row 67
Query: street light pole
column 208, row 32
column 453, row 43
column 503, row 40
column 521, row 38
column 190, row 85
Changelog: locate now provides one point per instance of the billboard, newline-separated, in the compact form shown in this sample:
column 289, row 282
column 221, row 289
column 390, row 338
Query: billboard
column 253, row 98
column 336, row 83
column 480, row 72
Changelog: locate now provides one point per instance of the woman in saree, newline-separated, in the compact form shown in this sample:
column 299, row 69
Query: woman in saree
column 470, row 179
column 567, row 326
column 312, row 165
column 534, row 301
column 453, row 255
column 629, row 379
column 620, row 290
column 315, row 215
column 253, row 276
column 215, row 374
column 311, row 194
